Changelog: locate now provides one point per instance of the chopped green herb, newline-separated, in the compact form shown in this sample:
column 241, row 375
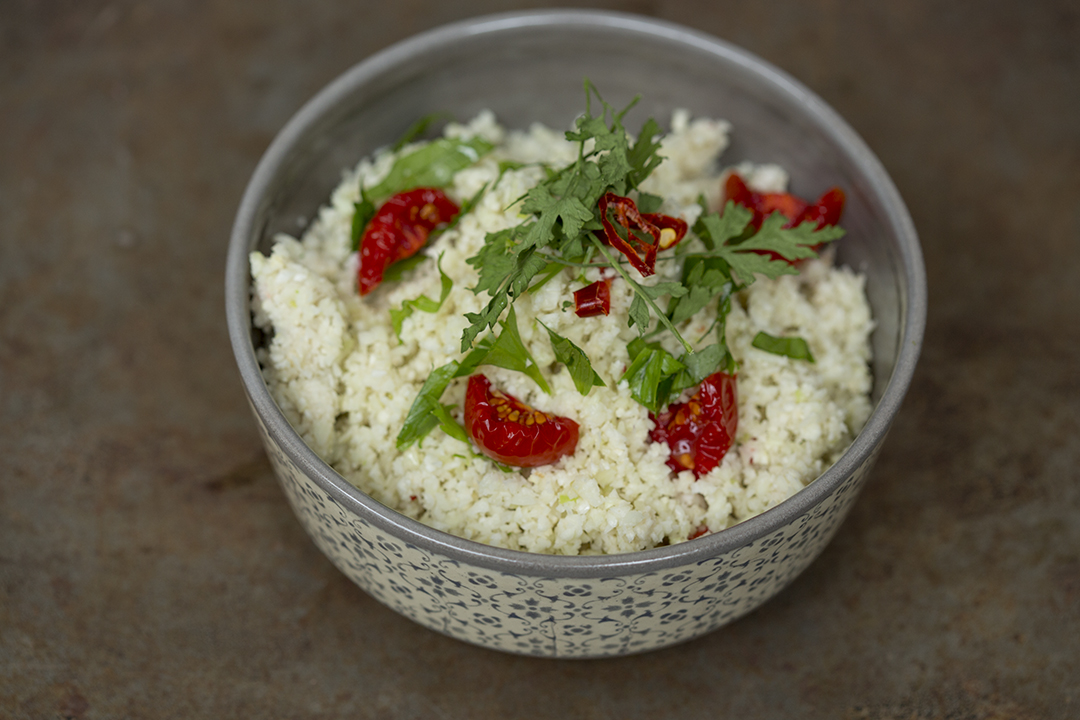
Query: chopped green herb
column 560, row 229
column 449, row 425
column 576, row 362
column 651, row 374
column 422, row 417
column 509, row 352
column 432, row 165
column 396, row 271
column 422, row 303
column 792, row 347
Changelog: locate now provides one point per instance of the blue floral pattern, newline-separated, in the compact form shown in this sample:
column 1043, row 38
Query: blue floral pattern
column 560, row 617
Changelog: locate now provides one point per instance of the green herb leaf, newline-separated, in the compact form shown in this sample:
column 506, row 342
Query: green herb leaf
column 449, row 425
column 422, row 303
column 792, row 347
column 706, row 278
column 699, row 366
column 569, row 211
column 509, row 352
column 651, row 373
column 432, row 165
column 422, row 417
column 648, row 203
column 396, row 271
column 417, row 129
column 727, row 234
column 363, row 211
column 643, row 157
column 576, row 362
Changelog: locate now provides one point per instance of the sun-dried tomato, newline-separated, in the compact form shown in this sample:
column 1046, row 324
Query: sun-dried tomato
column 593, row 299
column 700, row 431
column 509, row 431
column 665, row 231
column 826, row 211
column 400, row 228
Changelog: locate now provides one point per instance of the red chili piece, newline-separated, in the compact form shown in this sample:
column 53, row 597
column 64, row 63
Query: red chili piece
column 700, row 431
column 666, row 231
column 826, row 211
column 399, row 229
column 509, row 431
column 593, row 299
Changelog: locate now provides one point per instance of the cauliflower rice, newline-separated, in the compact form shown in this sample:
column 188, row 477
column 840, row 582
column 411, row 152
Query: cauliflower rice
column 346, row 382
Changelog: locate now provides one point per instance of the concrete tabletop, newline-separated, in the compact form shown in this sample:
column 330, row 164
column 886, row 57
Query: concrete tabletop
column 151, row 568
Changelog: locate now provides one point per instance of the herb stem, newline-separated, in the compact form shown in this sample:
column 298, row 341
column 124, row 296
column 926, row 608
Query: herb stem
column 644, row 296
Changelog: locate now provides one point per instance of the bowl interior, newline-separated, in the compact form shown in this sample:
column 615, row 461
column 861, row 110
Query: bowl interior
column 529, row 68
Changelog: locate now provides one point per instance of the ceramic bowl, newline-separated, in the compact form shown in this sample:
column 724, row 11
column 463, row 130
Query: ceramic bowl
column 528, row 67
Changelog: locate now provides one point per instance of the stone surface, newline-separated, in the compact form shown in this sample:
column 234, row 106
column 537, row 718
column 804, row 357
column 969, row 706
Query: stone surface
column 149, row 564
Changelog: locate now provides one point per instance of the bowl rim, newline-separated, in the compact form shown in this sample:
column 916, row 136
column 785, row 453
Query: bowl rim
column 475, row 553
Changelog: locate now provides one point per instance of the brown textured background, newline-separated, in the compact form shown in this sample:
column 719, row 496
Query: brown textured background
column 150, row 567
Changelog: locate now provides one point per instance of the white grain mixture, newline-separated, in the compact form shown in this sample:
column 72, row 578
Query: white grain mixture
column 345, row 381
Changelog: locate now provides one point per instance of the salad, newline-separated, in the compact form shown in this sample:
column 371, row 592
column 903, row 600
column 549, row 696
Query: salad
column 596, row 342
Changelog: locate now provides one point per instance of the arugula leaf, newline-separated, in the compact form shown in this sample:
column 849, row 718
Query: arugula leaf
column 422, row 303
column 792, row 347
column 700, row 365
column 432, row 165
column 422, row 417
column 576, row 362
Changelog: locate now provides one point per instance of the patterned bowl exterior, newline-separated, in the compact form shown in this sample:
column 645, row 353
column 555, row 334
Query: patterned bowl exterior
column 560, row 617
column 556, row 606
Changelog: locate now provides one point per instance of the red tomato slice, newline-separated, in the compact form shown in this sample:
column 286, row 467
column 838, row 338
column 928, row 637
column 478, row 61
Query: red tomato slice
column 399, row 229
column 509, row 431
column 826, row 211
column 700, row 431
column 593, row 299
column 666, row 231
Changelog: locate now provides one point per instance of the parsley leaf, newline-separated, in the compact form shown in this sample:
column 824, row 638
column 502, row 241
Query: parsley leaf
column 576, row 362
column 509, row 352
column 422, row 417
column 792, row 347
column 449, row 425
column 422, row 303
column 650, row 374
column 724, row 234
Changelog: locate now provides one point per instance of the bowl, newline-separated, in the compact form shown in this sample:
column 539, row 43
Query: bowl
column 529, row 67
